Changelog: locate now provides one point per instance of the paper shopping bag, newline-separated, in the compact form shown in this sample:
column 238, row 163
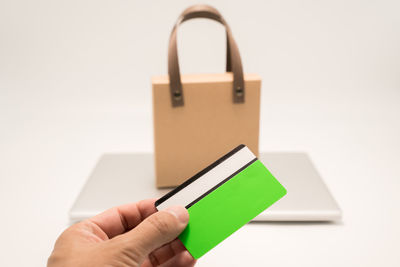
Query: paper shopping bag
column 199, row 117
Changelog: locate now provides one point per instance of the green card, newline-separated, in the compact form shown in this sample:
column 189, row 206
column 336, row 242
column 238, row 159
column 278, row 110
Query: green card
column 222, row 198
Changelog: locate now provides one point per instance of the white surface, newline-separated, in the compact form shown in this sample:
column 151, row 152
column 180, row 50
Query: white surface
column 75, row 83
column 209, row 179
column 129, row 177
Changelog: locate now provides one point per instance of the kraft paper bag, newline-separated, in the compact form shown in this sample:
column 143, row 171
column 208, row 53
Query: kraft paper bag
column 198, row 118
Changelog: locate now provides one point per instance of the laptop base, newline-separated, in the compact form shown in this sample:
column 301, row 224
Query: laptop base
column 123, row 178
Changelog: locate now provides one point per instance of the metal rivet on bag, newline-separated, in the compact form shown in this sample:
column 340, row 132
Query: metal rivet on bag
column 239, row 91
column 177, row 95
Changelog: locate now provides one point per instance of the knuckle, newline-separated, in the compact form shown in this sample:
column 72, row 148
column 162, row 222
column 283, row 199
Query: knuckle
column 125, row 252
column 161, row 224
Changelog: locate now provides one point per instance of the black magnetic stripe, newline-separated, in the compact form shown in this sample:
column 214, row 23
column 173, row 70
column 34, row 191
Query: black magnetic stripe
column 219, row 184
column 198, row 175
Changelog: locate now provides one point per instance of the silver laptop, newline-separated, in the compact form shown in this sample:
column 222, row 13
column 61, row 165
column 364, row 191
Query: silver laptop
column 125, row 178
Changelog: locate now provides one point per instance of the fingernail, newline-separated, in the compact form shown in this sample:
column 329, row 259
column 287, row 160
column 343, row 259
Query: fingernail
column 188, row 256
column 179, row 212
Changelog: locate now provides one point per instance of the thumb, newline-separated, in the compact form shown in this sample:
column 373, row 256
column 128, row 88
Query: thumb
column 158, row 229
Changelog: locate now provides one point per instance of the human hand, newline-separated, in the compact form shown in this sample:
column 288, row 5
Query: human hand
column 129, row 235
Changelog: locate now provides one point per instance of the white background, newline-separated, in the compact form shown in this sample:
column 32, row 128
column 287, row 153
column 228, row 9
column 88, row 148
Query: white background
column 75, row 83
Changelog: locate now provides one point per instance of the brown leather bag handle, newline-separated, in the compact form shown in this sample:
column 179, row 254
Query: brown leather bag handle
column 233, row 62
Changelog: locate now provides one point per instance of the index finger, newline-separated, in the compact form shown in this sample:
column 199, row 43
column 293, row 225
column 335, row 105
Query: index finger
column 121, row 219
